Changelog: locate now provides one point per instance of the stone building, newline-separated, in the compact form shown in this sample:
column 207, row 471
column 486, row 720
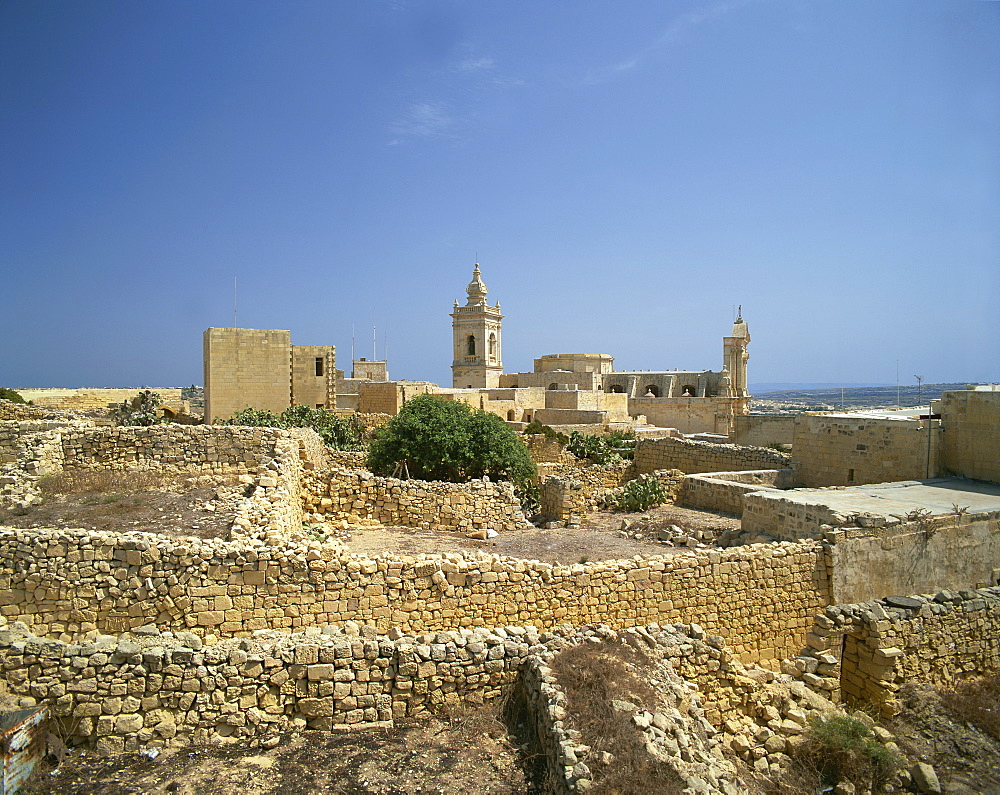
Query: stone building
column 261, row 368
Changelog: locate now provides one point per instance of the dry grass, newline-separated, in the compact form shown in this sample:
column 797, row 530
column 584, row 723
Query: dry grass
column 977, row 701
column 108, row 482
column 592, row 675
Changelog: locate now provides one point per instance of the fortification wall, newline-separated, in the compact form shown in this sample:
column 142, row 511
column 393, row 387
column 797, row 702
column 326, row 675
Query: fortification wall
column 762, row 430
column 920, row 556
column 971, row 446
column 693, row 457
column 64, row 583
column 865, row 652
column 841, row 450
column 87, row 399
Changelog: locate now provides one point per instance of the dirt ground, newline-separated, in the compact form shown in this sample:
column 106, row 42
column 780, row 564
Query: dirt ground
column 179, row 506
column 150, row 502
column 467, row 755
column 600, row 537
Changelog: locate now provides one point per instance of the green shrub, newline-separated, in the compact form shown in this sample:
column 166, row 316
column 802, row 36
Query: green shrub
column 140, row 410
column 535, row 428
column 443, row 440
column 11, row 395
column 841, row 747
column 640, row 494
column 336, row 432
column 594, row 448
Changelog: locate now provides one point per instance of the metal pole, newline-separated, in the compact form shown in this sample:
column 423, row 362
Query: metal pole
column 929, row 414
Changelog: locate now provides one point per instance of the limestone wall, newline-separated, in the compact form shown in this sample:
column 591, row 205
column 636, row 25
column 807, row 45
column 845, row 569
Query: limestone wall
column 152, row 689
column 693, row 457
column 865, row 652
column 358, row 496
column 723, row 491
column 246, row 367
column 916, row 557
column 9, row 410
column 87, row 399
column 841, row 450
column 970, row 446
column 763, row 429
column 65, row 583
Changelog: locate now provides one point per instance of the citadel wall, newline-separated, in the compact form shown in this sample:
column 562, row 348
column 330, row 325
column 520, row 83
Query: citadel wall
column 842, row 449
column 87, row 399
column 970, row 446
column 762, row 430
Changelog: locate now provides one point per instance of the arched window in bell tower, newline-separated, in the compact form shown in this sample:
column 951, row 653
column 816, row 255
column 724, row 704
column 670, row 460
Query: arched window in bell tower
column 493, row 346
column 471, row 346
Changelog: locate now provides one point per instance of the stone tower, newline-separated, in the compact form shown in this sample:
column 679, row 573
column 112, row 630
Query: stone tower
column 734, row 364
column 476, row 339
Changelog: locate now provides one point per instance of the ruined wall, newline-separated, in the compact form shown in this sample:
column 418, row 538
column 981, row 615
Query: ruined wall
column 151, row 690
column 9, row 410
column 970, row 446
column 65, row 583
column 841, row 450
column 692, row 457
column 88, row 399
column 763, row 429
column 246, row 367
column 916, row 557
column 359, row 497
column 863, row 653
column 688, row 415
column 723, row 491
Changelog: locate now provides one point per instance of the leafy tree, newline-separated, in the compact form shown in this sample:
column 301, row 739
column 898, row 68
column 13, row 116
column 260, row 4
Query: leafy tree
column 140, row 410
column 336, row 432
column 444, row 440
column 11, row 395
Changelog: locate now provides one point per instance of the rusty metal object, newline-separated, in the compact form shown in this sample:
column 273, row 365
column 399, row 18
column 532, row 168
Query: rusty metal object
column 23, row 734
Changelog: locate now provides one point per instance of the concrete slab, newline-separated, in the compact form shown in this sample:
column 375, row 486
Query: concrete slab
column 938, row 495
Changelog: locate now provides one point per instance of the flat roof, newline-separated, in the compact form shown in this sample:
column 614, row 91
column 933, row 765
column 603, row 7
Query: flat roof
column 938, row 495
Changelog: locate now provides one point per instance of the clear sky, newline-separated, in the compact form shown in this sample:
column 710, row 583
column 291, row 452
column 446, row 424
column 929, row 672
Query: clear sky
column 626, row 173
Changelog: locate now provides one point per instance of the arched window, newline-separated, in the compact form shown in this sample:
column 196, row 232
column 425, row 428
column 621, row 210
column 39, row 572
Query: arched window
column 471, row 346
column 652, row 391
column 617, row 389
column 493, row 345
column 689, row 391
column 553, row 386
column 511, row 415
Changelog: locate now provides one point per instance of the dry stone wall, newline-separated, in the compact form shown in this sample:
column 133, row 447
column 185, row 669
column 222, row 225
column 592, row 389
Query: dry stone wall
column 723, row 491
column 152, row 688
column 863, row 653
column 693, row 457
column 63, row 584
column 359, row 497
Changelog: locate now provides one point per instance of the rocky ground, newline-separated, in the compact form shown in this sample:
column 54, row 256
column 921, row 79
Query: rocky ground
column 471, row 754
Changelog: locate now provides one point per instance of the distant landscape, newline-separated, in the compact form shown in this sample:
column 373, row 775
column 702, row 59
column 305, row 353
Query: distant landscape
column 835, row 396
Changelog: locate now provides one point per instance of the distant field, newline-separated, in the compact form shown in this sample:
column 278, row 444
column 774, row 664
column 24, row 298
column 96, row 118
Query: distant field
column 858, row 397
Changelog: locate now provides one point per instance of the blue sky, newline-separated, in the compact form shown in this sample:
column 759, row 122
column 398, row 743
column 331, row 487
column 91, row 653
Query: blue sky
column 626, row 174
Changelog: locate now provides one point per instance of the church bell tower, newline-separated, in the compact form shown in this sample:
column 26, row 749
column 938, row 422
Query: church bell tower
column 476, row 339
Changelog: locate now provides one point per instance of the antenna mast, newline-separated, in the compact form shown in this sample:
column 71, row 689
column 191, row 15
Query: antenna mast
column 234, row 301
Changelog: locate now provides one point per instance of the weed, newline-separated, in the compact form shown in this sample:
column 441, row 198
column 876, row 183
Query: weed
column 640, row 494
column 977, row 701
column 584, row 559
column 593, row 675
column 841, row 747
